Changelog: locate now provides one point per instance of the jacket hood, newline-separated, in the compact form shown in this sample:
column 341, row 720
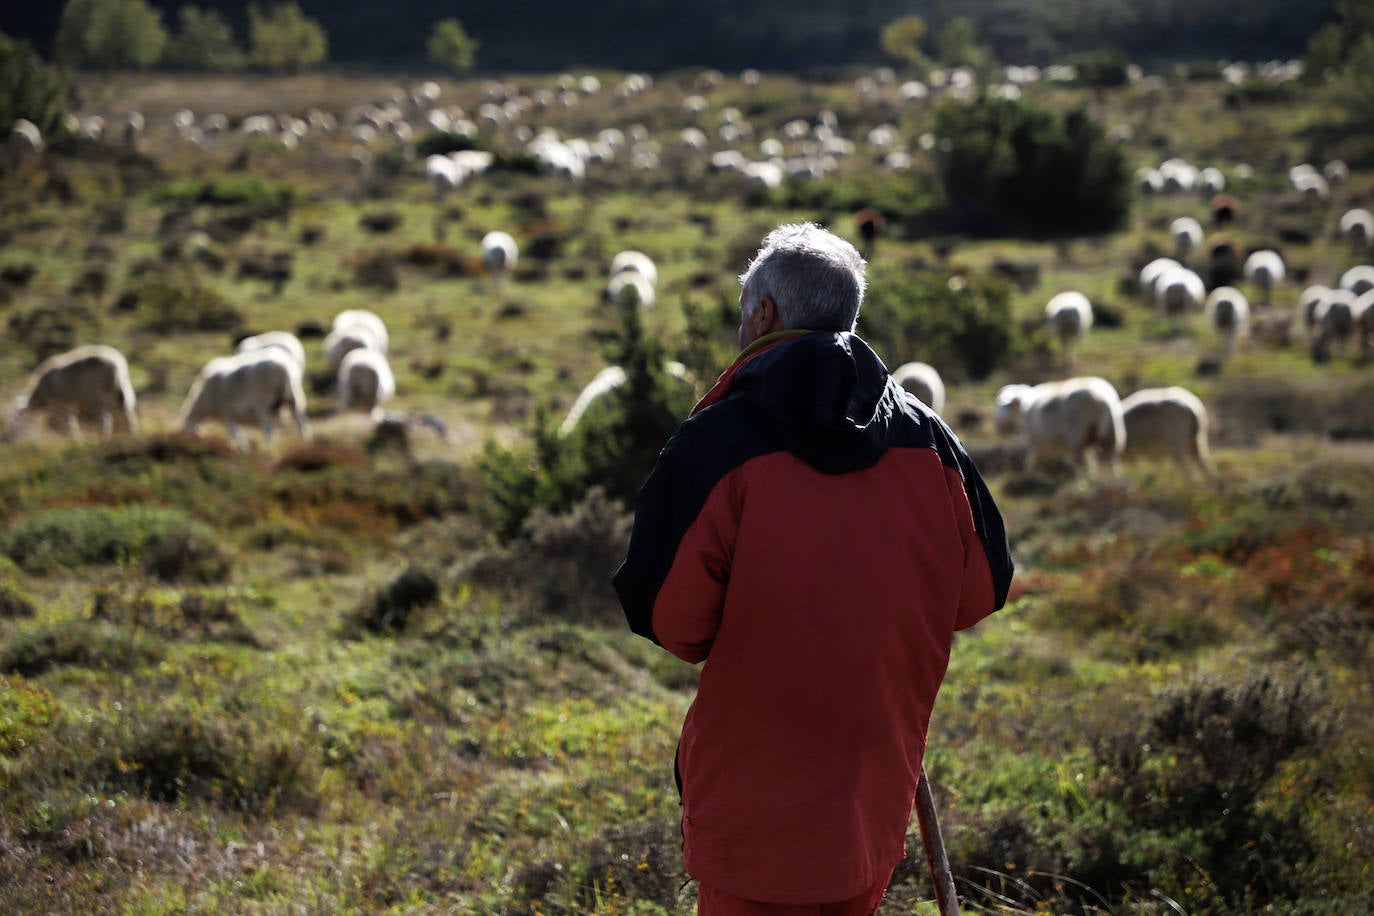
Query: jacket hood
column 825, row 396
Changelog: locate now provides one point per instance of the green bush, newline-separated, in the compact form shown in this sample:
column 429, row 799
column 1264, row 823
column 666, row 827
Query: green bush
column 165, row 542
column 1011, row 167
column 264, row 196
column 172, row 303
column 948, row 319
column 30, row 89
column 26, row 710
column 441, row 143
column 1102, row 69
column 96, row 645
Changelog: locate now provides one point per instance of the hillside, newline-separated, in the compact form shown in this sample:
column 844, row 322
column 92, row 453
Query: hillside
column 324, row 674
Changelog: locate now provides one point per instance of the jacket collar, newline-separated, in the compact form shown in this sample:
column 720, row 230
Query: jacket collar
column 726, row 382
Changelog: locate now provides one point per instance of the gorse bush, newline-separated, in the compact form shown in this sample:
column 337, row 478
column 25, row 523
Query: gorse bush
column 165, row 542
column 1012, row 167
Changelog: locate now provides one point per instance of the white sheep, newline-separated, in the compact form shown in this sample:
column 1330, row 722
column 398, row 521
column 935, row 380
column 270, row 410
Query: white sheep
column 284, row 339
column 1335, row 322
column 1167, row 421
column 1363, row 313
column 1311, row 298
column 343, row 340
column 25, row 138
column 443, row 174
column 636, row 261
column 1264, row 268
column 1075, row 417
column 1228, row 313
column 924, row 381
column 630, row 288
column 87, row 382
column 1186, row 234
column 368, row 319
column 365, row 382
column 1357, row 227
column 1358, row 279
column 499, row 254
column 1179, row 291
column 249, row 387
column 1149, row 276
column 606, row 383
column 1069, row 315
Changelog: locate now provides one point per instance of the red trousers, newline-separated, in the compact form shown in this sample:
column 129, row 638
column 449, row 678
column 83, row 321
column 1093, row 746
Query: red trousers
column 711, row 902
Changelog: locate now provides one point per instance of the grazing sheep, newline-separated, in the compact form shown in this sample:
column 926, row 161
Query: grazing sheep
column 365, row 382
column 1264, row 268
column 1075, row 417
column 443, row 174
column 25, row 138
column 284, row 339
column 922, row 380
column 1311, row 298
column 371, row 320
column 1335, row 323
column 1167, row 421
column 630, row 288
column 605, row 384
column 87, row 382
column 1069, row 315
column 499, row 253
column 636, row 261
column 1186, row 233
column 248, row 387
column 1179, row 291
column 342, row 341
column 1228, row 312
column 1357, row 227
column 1359, row 279
column 1149, row 276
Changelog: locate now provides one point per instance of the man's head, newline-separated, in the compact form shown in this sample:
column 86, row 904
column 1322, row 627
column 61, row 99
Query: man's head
column 803, row 277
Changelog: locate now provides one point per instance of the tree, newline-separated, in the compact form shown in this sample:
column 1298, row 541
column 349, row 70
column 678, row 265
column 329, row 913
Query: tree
column 110, row 34
column 451, row 46
column 959, row 45
column 204, row 41
column 284, row 39
column 901, row 40
column 30, row 88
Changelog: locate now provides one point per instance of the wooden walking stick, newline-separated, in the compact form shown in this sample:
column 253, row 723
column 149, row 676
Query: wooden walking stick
column 940, row 874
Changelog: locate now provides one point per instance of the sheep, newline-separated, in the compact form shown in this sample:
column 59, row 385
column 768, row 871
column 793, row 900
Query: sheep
column 1179, row 291
column 25, row 138
column 339, row 342
column 1186, row 233
column 365, row 382
column 1228, row 312
column 89, row 381
column 1167, row 421
column 1357, row 227
column 1359, row 279
column 246, row 387
column 1149, row 275
column 371, row 320
column 284, row 339
column 630, row 288
column 1075, row 417
column 606, row 383
column 1069, row 315
column 636, row 261
column 443, row 174
column 1264, row 268
column 1335, row 323
column 922, row 380
column 1363, row 313
column 1311, row 298
column 499, row 254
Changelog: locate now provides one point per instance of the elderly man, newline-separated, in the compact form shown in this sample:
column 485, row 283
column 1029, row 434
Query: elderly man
column 816, row 535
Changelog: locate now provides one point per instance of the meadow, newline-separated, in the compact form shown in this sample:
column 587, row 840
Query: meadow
column 318, row 677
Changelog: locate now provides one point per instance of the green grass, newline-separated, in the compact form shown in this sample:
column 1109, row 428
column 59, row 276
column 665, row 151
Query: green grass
column 372, row 705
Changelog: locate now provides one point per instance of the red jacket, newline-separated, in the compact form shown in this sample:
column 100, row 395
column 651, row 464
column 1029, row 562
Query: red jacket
column 816, row 535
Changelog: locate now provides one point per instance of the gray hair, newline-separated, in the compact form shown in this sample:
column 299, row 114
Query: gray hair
column 815, row 277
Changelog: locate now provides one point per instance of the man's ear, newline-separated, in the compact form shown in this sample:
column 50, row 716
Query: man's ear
column 767, row 317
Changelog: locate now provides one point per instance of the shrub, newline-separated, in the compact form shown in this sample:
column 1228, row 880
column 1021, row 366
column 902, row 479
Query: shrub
column 26, row 710
column 261, row 194
column 1010, row 166
column 167, row 543
column 14, row 603
column 176, row 302
column 97, row 645
column 940, row 317
column 1102, row 69
column 390, row 608
column 30, row 89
